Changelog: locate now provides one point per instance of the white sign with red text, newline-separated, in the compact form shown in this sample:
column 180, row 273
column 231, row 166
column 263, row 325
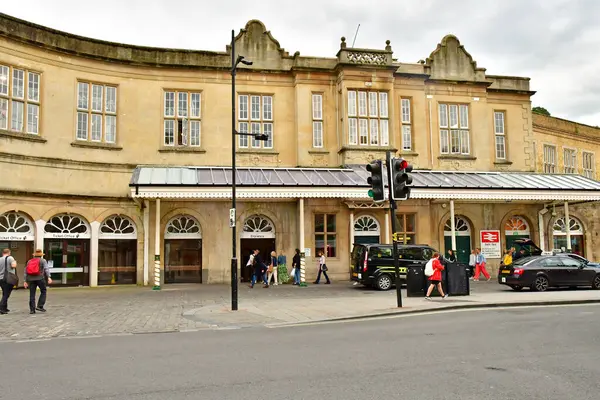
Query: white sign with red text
column 490, row 244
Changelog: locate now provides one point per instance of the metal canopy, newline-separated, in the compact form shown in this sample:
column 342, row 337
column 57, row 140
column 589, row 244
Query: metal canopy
column 260, row 177
column 354, row 176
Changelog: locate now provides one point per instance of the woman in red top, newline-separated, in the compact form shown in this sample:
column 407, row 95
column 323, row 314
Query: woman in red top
column 436, row 278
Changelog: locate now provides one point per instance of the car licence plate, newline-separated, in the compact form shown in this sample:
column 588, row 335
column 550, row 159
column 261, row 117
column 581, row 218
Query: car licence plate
column 503, row 280
column 506, row 271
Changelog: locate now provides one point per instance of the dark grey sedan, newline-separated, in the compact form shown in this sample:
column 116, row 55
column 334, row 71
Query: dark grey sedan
column 542, row 272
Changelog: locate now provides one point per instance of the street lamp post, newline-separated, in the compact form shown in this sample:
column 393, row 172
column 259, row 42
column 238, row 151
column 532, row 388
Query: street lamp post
column 232, row 213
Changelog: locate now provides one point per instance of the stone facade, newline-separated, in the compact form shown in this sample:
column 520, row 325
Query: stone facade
column 52, row 167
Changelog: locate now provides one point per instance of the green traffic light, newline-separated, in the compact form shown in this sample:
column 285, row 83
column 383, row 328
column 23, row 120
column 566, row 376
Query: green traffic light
column 370, row 193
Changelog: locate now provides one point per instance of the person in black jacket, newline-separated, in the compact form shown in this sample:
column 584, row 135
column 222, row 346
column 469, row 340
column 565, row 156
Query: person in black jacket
column 260, row 269
column 451, row 256
column 296, row 265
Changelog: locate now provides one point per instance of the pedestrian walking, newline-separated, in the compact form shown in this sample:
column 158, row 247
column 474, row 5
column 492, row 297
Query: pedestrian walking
column 260, row 270
column 322, row 269
column 37, row 275
column 435, row 279
column 273, row 269
column 472, row 262
column 296, row 267
column 250, row 265
column 480, row 262
column 8, row 279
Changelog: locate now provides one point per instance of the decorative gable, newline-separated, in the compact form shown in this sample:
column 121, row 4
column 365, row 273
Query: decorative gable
column 257, row 44
column 450, row 61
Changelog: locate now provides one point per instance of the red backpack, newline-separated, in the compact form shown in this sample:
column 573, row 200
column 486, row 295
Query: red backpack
column 33, row 266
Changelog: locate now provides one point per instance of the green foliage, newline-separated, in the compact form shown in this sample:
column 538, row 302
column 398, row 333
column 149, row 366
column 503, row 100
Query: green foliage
column 282, row 274
column 540, row 110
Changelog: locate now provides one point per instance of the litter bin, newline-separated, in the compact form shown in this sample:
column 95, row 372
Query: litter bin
column 457, row 279
column 415, row 280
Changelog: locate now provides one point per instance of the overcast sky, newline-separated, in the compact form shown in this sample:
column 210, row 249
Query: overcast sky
column 553, row 42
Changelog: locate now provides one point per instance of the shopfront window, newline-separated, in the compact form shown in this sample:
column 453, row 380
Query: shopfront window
column 117, row 251
column 67, row 248
column 559, row 233
column 183, row 250
column 325, row 235
column 406, row 229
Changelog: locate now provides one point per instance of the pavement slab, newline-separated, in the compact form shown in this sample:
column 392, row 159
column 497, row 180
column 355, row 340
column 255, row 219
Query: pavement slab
column 81, row 312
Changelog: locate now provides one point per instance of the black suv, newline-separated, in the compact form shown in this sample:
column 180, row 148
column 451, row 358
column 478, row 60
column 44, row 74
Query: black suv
column 373, row 264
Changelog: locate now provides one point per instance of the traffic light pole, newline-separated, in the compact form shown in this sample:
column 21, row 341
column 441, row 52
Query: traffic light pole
column 394, row 229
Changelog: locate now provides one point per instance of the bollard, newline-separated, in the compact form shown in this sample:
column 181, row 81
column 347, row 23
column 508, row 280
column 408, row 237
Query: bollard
column 156, row 273
column 302, row 271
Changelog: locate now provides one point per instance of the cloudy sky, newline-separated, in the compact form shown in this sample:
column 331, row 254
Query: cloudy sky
column 553, row 42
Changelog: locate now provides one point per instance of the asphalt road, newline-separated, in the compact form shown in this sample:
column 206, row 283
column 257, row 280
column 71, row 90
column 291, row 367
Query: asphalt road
column 528, row 353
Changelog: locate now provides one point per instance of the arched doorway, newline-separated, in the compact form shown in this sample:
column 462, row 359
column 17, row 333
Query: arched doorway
column 559, row 234
column 17, row 233
column 515, row 228
column 67, row 248
column 117, row 251
column 462, row 230
column 183, row 250
column 367, row 230
column 258, row 233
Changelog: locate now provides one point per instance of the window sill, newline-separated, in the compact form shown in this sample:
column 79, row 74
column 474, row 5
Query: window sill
column 181, row 149
column 257, row 151
column 409, row 153
column 503, row 162
column 94, row 145
column 456, row 157
column 30, row 137
column 318, row 151
column 367, row 148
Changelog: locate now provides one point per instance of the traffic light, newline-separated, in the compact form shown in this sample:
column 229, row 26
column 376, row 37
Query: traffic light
column 376, row 180
column 401, row 179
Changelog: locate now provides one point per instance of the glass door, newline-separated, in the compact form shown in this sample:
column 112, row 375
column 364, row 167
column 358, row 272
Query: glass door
column 68, row 260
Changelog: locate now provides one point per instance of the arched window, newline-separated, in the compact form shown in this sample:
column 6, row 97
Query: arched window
column 16, row 226
column 67, row 226
column 258, row 227
column 183, row 227
column 559, row 233
column 461, row 227
column 183, row 250
column 118, row 227
column 366, row 230
column 517, row 226
column 560, row 227
column 117, row 251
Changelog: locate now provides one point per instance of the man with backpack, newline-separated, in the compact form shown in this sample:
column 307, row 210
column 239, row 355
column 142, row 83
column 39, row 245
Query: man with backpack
column 37, row 275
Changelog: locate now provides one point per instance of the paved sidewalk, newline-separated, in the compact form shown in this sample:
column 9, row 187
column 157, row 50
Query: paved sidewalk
column 130, row 310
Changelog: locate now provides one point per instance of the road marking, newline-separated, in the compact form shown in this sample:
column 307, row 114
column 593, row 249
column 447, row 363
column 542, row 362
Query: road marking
column 425, row 313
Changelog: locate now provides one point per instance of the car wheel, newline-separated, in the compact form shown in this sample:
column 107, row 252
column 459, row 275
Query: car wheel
column 596, row 283
column 540, row 284
column 516, row 288
column 384, row 282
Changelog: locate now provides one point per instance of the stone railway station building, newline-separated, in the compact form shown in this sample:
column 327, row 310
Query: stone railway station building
column 112, row 153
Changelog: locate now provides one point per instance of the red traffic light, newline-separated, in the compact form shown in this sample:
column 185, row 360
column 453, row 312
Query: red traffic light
column 403, row 164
